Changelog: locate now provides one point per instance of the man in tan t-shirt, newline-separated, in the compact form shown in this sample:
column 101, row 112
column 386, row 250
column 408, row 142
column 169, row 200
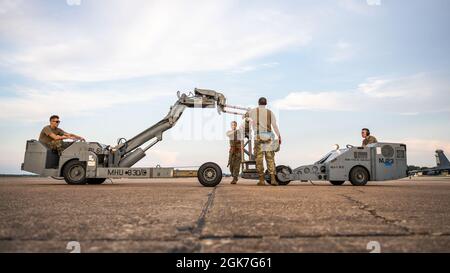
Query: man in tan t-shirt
column 53, row 137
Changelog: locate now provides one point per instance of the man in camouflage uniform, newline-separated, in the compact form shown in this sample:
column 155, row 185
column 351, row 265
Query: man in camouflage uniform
column 53, row 137
column 263, row 120
column 367, row 138
column 235, row 155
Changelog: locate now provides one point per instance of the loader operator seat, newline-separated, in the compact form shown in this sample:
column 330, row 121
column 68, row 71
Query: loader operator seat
column 52, row 157
column 39, row 157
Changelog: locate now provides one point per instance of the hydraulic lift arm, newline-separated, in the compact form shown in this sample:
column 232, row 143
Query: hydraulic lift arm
column 128, row 153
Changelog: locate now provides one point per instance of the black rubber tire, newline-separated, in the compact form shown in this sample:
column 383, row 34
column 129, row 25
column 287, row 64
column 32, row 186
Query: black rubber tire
column 95, row 181
column 278, row 169
column 337, row 183
column 359, row 176
column 74, row 173
column 209, row 174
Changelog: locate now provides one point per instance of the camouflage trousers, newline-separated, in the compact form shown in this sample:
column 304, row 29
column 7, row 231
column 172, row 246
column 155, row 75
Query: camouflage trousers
column 260, row 154
column 58, row 146
column 234, row 162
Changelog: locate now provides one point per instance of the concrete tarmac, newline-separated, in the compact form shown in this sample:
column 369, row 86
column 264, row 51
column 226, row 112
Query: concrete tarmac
column 179, row 215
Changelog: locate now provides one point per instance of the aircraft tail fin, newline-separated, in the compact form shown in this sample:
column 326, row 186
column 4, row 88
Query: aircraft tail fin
column 441, row 159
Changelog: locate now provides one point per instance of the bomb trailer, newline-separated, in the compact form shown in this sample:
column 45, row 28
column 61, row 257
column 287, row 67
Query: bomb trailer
column 93, row 163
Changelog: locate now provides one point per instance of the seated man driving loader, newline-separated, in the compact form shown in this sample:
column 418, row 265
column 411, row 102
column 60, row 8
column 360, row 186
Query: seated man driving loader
column 53, row 137
column 367, row 138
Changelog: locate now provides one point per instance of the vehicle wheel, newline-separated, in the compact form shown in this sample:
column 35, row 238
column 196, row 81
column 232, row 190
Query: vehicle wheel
column 74, row 173
column 95, row 181
column 337, row 183
column 209, row 174
column 279, row 169
column 359, row 176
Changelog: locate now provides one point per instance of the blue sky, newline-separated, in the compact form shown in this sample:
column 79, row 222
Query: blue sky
column 112, row 68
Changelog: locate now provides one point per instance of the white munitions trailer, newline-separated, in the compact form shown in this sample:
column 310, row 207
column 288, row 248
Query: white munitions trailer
column 375, row 162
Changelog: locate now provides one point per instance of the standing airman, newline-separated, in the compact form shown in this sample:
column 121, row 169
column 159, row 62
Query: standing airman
column 263, row 120
column 235, row 155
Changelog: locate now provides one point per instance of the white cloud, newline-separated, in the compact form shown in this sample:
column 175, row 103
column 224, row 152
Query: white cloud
column 9, row 5
column 410, row 114
column 36, row 105
column 140, row 38
column 419, row 85
column 406, row 95
column 342, row 51
column 322, row 101
column 249, row 68
column 356, row 6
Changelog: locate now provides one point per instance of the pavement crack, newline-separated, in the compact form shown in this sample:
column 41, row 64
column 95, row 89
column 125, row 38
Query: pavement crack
column 200, row 224
column 372, row 211
column 192, row 242
column 358, row 190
